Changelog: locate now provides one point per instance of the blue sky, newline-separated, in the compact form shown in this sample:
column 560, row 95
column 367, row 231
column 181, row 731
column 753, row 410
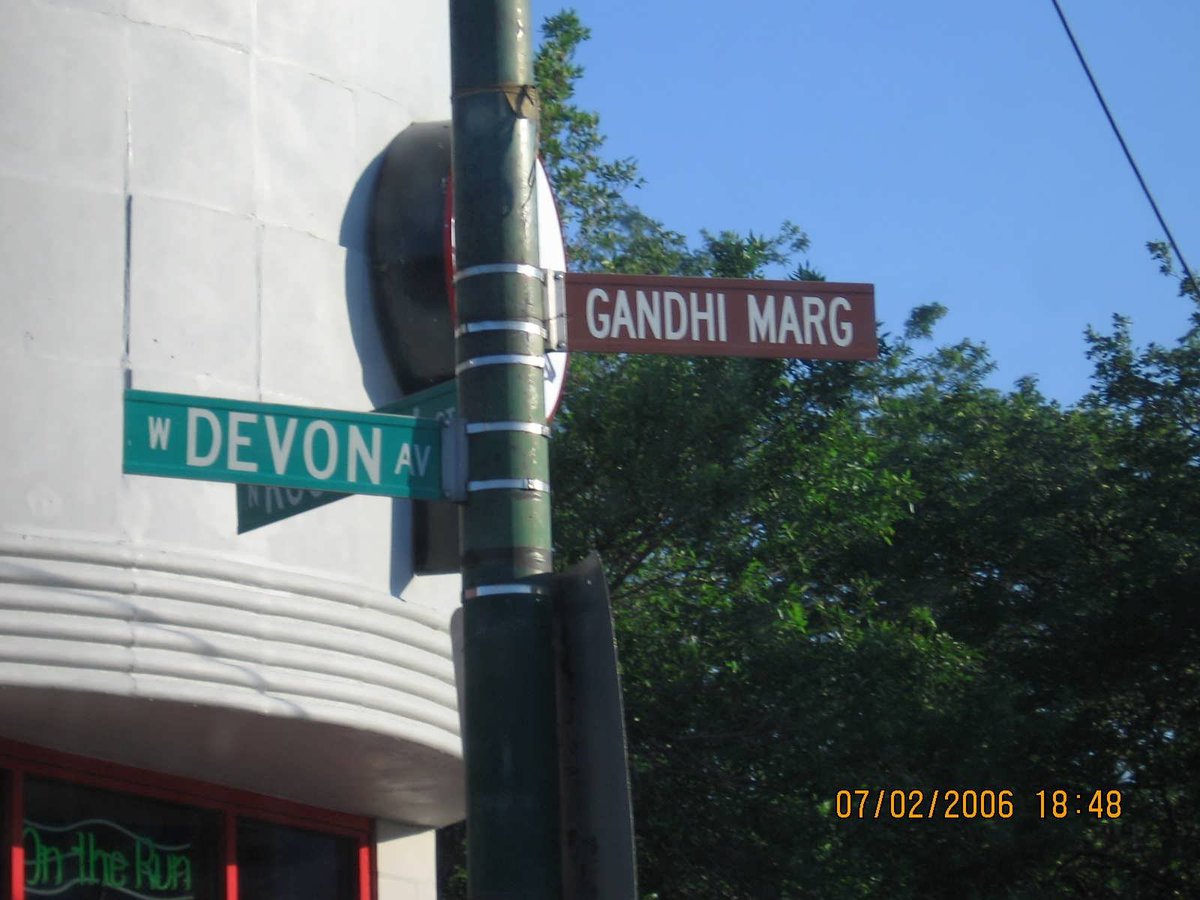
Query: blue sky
column 943, row 150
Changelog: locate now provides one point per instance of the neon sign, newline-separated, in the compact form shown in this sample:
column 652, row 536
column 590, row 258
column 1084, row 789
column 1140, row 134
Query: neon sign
column 103, row 854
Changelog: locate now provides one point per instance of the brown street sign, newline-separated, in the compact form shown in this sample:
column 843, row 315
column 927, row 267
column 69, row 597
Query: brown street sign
column 609, row 313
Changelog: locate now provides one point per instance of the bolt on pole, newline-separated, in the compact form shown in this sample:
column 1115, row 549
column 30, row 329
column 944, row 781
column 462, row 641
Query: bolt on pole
column 509, row 737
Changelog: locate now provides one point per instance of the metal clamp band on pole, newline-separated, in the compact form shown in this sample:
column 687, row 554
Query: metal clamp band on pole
column 488, row 427
column 527, row 327
column 509, row 484
column 501, row 359
column 522, row 98
column 497, row 590
column 529, row 271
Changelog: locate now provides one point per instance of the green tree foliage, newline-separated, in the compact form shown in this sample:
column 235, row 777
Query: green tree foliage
column 1161, row 251
column 885, row 575
column 897, row 577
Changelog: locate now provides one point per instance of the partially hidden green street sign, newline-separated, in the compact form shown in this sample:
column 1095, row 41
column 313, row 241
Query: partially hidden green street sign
column 181, row 436
column 259, row 505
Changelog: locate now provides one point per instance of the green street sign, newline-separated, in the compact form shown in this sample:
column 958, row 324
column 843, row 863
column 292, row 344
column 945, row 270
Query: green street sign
column 259, row 505
column 432, row 403
column 211, row 439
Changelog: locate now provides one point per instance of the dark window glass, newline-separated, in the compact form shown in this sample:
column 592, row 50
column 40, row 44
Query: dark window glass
column 87, row 844
column 279, row 863
column 5, row 788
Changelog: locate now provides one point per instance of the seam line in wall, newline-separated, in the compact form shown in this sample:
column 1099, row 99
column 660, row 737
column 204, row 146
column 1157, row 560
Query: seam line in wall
column 127, row 287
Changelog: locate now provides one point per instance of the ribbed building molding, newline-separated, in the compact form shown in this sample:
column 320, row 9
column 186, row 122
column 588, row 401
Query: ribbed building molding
column 163, row 625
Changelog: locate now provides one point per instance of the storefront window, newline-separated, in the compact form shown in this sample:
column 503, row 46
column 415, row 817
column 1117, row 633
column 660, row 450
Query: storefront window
column 86, row 844
column 78, row 829
column 5, row 806
column 279, row 863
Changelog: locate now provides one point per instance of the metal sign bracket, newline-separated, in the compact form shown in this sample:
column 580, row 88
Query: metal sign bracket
column 454, row 458
column 556, row 311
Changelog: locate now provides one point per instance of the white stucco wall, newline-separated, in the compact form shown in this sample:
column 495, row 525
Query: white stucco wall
column 184, row 190
column 405, row 862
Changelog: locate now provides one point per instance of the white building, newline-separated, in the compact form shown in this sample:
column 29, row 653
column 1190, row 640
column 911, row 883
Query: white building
column 186, row 711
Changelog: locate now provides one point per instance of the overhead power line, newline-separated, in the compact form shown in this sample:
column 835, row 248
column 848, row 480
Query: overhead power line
column 1125, row 147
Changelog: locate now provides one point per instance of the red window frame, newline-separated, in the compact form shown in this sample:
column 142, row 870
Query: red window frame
column 23, row 760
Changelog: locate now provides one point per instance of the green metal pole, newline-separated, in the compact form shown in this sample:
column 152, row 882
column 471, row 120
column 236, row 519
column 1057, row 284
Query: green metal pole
column 510, row 737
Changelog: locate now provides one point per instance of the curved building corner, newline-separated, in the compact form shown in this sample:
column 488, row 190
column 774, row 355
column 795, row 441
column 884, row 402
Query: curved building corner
column 186, row 710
